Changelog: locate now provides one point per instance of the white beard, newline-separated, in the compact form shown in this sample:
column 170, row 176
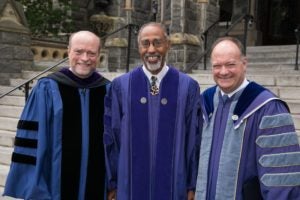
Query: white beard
column 153, row 67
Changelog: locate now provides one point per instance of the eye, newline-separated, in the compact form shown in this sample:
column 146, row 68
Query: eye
column 78, row 52
column 157, row 43
column 145, row 43
column 230, row 65
column 91, row 54
column 217, row 66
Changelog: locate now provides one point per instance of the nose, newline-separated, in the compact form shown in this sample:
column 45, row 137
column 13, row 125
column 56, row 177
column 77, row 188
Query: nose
column 223, row 70
column 151, row 48
column 84, row 56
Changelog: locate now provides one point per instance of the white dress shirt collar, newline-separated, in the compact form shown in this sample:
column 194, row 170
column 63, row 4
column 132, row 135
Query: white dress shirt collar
column 242, row 86
column 159, row 76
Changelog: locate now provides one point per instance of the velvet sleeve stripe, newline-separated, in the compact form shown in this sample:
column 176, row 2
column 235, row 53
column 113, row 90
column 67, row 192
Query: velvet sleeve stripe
column 25, row 142
column 281, row 179
column 277, row 140
column 28, row 125
column 25, row 159
column 275, row 121
column 280, row 159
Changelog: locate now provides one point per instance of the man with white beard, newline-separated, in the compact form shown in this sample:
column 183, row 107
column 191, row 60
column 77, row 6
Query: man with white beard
column 152, row 126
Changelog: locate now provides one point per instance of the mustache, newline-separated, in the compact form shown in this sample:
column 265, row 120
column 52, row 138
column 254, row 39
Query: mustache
column 84, row 63
column 152, row 54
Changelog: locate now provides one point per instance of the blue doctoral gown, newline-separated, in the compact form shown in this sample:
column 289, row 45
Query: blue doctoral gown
column 250, row 149
column 151, row 142
column 58, row 150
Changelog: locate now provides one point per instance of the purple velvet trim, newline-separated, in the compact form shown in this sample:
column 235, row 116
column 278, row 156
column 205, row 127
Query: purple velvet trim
column 86, row 81
column 165, row 137
column 140, row 147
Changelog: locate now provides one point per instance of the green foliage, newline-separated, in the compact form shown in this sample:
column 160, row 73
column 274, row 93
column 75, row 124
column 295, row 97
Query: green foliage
column 46, row 18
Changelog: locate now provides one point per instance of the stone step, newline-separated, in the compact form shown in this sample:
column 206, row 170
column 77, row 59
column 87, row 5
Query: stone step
column 10, row 111
column 17, row 92
column 277, row 48
column 7, row 138
column 5, row 154
column 289, row 92
column 13, row 100
column 3, row 173
column 14, row 82
column 270, row 56
column 289, row 80
column 274, row 60
column 8, row 124
column 296, row 119
column 274, row 68
column 294, row 106
column 261, row 67
column 30, row 74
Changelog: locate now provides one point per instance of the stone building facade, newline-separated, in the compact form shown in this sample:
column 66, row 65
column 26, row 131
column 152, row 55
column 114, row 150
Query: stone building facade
column 267, row 22
column 15, row 41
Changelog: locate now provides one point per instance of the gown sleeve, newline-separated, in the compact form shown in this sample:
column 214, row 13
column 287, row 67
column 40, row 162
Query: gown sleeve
column 193, row 127
column 278, row 153
column 27, row 178
column 112, row 124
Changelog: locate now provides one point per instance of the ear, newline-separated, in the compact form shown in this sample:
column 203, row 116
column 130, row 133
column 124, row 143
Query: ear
column 168, row 44
column 245, row 60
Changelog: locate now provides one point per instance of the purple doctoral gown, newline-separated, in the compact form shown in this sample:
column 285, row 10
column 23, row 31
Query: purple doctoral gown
column 250, row 149
column 151, row 142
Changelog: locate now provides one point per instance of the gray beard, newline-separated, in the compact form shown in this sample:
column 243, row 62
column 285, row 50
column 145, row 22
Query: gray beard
column 153, row 67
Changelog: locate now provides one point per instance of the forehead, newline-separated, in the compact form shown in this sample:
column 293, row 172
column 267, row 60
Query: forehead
column 151, row 31
column 87, row 40
column 226, row 49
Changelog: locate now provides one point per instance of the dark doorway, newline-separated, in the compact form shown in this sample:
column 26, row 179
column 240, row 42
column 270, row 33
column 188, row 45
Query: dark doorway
column 226, row 7
column 278, row 20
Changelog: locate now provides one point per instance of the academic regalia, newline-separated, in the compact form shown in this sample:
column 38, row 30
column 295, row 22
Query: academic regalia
column 250, row 149
column 58, row 150
column 151, row 141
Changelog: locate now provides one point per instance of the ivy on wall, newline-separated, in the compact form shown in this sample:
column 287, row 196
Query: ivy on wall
column 48, row 17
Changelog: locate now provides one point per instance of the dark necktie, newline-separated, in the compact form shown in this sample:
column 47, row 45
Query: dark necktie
column 225, row 97
column 153, row 89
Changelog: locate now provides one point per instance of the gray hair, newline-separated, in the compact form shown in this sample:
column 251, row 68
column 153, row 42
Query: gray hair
column 160, row 25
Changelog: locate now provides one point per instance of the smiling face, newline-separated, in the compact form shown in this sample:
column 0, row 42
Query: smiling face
column 228, row 66
column 153, row 47
column 83, row 51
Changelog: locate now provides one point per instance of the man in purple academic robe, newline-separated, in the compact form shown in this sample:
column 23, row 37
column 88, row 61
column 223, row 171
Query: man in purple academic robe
column 250, row 149
column 151, row 127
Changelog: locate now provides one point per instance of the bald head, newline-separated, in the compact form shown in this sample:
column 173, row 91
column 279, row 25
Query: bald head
column 88, row 36
column 235, row 41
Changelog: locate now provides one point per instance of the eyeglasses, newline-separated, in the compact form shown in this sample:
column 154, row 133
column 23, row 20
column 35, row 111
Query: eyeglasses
column 156, row 43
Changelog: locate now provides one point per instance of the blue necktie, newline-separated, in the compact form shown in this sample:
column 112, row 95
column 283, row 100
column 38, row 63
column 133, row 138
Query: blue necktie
column 225, row 98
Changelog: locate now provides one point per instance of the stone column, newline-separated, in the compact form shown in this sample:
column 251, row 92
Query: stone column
column 184, row 33
column 15, row 41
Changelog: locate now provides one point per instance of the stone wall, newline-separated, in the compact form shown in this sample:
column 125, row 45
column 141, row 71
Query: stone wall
column 15, row 41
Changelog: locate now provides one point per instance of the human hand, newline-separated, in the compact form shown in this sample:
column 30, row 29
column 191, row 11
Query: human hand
column 191, row 195
column 112, row 195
